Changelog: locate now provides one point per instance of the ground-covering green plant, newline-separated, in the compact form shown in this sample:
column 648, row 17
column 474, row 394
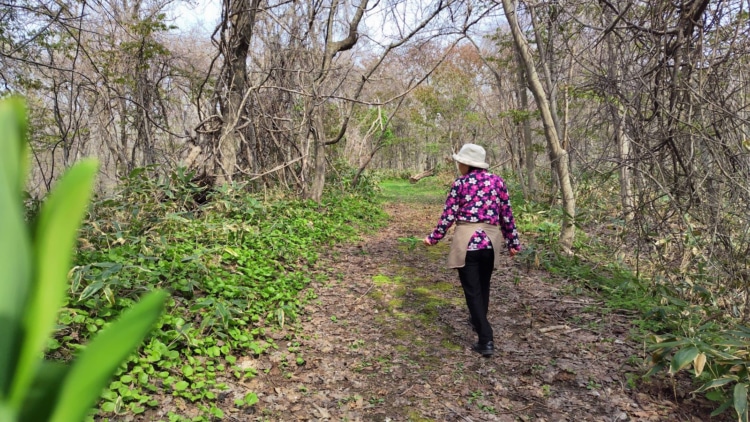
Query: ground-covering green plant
column 715, row 352
column 236, row 266
column 429, row 190
column 411, row 242
column 682, row 325
column 592, row 268
column 34, row 261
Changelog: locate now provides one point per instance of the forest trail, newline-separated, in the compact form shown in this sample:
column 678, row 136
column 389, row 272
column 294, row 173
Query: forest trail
column 387, row 339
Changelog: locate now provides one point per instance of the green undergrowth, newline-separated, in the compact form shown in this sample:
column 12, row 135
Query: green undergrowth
column 430, row 190
column 593, row 270
column 235, row 265
column 682, row 326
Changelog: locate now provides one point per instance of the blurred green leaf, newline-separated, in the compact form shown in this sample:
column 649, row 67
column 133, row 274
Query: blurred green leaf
column 670, row 344
column 101, row 358
column 717, row 383
column 721, row 409
column 740, row 401
column 251, row 399
column 55, row 237
column 15, row 260
column 683, row 358
column 13, row 160
column 44, row 390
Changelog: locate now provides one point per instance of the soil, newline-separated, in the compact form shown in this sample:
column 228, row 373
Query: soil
column 387, row 339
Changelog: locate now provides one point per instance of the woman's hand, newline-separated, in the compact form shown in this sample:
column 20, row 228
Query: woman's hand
column 512, row 252
column 426, row 241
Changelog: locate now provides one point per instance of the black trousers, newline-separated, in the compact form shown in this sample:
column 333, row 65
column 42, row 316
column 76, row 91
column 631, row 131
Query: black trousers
column 475, row 279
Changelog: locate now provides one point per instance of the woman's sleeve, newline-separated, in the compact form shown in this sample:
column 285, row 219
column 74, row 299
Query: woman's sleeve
column 507, row 222
column 449, row 214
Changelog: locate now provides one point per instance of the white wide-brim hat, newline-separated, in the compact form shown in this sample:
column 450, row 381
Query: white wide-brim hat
column 472, row 155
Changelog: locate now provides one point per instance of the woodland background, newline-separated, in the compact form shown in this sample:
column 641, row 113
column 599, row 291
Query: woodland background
column 640, row 107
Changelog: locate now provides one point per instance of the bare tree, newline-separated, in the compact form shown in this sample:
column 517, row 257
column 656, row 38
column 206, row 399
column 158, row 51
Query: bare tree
column 233, row 91
column 670, row 89
column 98, row 77
column 556, row 152
column 614, row 73
column 302, row 83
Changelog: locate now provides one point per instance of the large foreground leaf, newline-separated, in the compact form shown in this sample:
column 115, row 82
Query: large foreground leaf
column 54, row 240
column 37, row 404
column 740, row 401
column 683, row 358
column 15, row 259
column 101, row 358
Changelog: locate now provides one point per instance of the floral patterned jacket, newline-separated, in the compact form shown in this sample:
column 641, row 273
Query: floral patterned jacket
column 478, row 196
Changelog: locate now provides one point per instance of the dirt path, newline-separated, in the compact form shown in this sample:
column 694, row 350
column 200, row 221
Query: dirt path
column 387, row 339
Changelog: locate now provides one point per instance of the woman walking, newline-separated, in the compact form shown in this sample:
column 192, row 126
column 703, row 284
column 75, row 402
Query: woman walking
column 479, row 205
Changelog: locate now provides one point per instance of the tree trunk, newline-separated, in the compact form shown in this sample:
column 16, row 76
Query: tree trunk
column 626, row 190
column 546, row 60
column 623, row 141
column 528, row 141
column 417, row 177
column 566, row 144
column 556, row 152
column 241, row 23
column 332, row 48
column 319, row 172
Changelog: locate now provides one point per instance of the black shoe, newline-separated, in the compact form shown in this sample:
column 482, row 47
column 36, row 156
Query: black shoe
column 484, row 349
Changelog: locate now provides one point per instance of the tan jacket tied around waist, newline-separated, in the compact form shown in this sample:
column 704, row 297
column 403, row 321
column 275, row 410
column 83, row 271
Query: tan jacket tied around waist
column 462, row 236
